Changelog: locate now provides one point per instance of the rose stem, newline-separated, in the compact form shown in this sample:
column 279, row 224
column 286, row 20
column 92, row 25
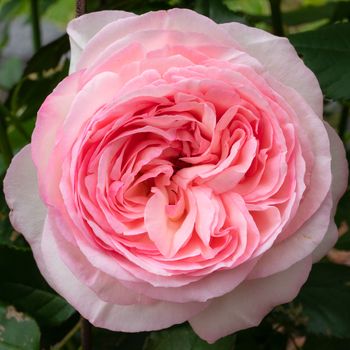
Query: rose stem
column 86, row 337
column 5, row 145
column 276, row 17
column 66, row 339
column 36, row 33
column 343, row 121
column 80, row 8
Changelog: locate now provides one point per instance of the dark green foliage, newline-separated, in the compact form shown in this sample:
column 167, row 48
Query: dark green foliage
column 325, row 300
column 22, row 285
column 327, row 52
column 17, row 330
column 48, row 57
column 182, row 337
column 326, row 343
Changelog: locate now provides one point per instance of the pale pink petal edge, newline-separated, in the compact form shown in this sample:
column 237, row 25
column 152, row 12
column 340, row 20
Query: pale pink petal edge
column 246, row 305
column 280, row 59
column 83, row 28
column 28, row 213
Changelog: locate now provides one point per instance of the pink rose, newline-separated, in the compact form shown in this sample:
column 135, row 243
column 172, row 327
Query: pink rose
column 182, row 171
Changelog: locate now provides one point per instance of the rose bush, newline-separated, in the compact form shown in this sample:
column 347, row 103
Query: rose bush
column 182, row 171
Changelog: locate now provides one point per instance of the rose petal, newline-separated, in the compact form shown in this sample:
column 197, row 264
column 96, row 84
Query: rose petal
column 246, row 305
column 297, row 246
column 279, row 58
column 168, row 235
column 319, row 228
column 51, row 116
column 28, row 213
column 28, row 216
column 125, row 318
column 340, row 173
column 83, row 28
column 211, row 286
column 181, row 20
column 340, row 169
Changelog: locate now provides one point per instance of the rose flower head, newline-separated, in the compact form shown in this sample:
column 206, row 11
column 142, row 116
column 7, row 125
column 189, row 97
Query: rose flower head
column 181, row 172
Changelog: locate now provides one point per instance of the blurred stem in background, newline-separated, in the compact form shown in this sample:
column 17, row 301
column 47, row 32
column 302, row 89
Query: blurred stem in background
column 68, row 337
column 86, row 334
column 80, row 7
column 5, row 145
column 276, row 17
column 343, row 121
column 35, row 19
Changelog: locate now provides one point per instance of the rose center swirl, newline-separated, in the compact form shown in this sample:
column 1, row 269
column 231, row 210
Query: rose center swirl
column 182, row 178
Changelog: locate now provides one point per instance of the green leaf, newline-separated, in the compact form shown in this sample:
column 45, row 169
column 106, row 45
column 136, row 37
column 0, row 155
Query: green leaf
column 203, row 7
column 343, row 242
column 326, row 52
column 8, row 236
column 263, row 337
column 23, row 286
column 343, row 221
column 49, row 56
column 218, row 11
column 325, row 300
column 107, row 340
column 252, row 7
column 136, row 6
column 10, row 72
column 47, row 308
column 17, row 330
column 28, row 95
column 326, row 343
column 59, row 12
column 334, row 11
column 182, row 337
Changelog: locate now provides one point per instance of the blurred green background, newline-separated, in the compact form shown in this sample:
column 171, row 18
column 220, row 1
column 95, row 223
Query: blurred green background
column 34, row 57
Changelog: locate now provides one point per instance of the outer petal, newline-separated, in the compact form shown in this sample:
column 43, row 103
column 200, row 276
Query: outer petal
column 319, row 233
column 296, row 247
column 83, row 28
column 340, row 172
column 106, row 287
column 28, row 212
column 125, row 318
column 327, row 243
column 246, row 305
column 50, row 119
column 313, row 129
column 102, row 88
column 211, row 286
column 181, row 20
column 279, row 58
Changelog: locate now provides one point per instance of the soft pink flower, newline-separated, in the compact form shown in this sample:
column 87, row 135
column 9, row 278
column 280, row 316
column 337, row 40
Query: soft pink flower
column 182, row 171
